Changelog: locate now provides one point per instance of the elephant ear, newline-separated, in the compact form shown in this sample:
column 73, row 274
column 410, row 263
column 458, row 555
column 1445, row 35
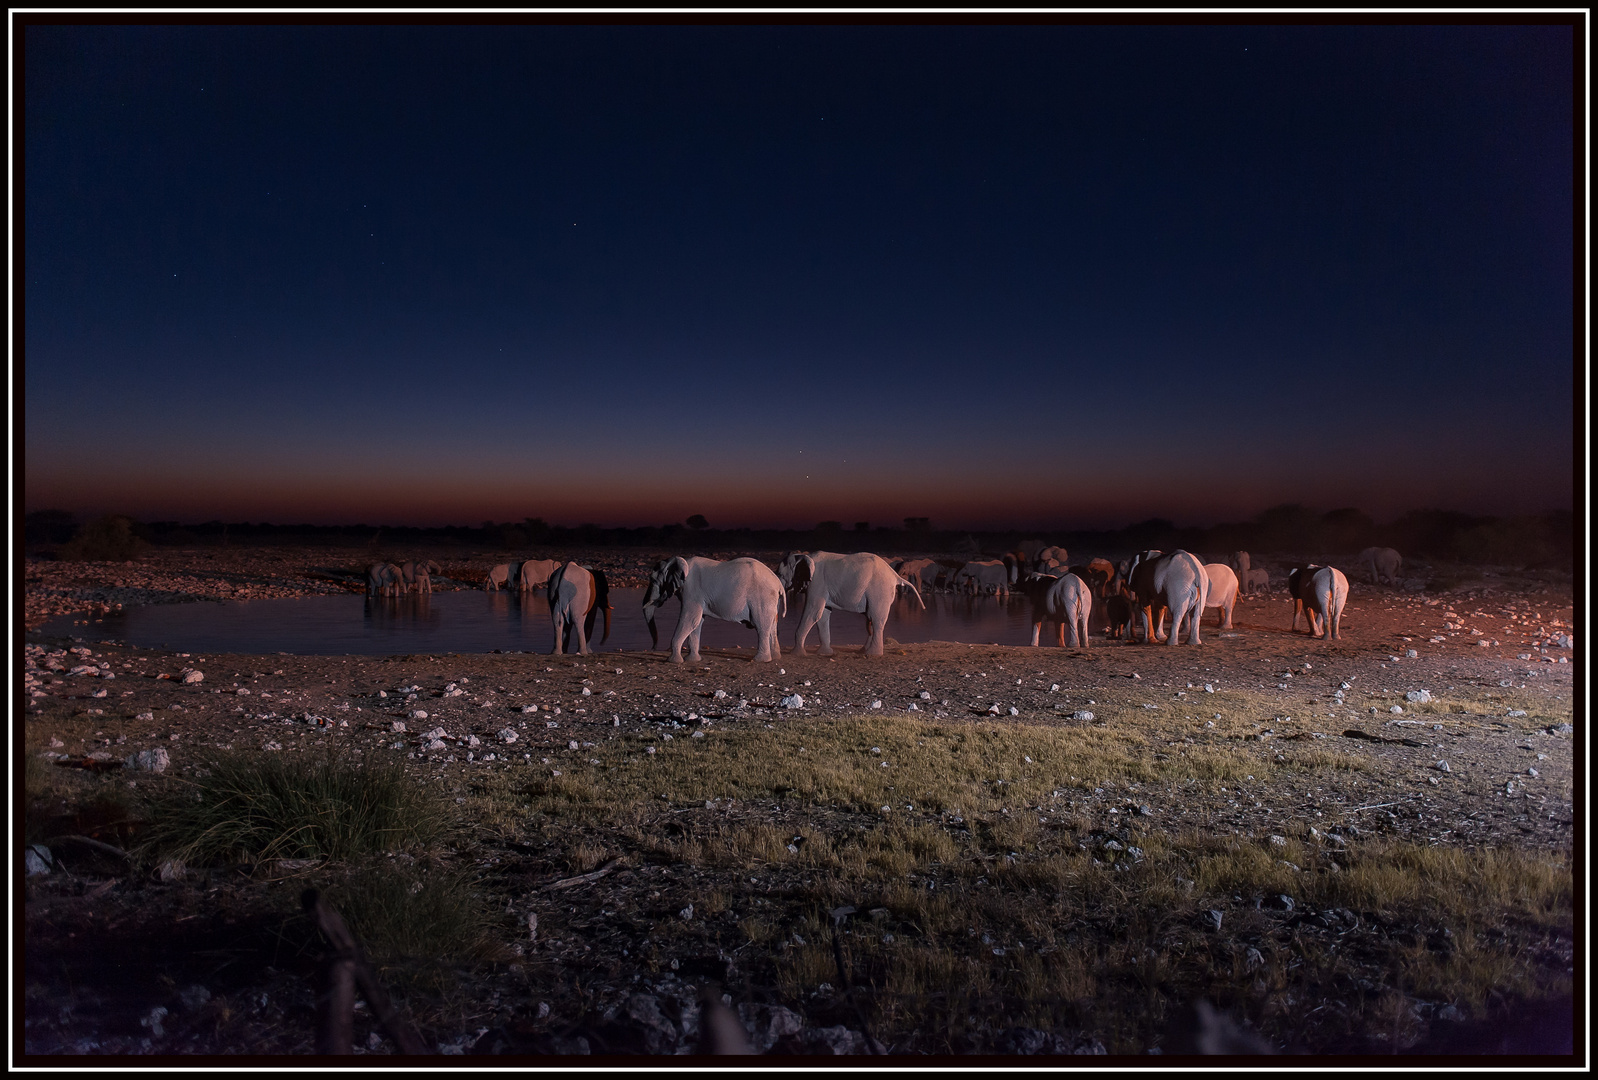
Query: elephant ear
column 676, row 576
column 804, row 569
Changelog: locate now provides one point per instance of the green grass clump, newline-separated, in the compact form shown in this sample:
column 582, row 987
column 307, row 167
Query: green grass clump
column 268, row 806
column 409, row 915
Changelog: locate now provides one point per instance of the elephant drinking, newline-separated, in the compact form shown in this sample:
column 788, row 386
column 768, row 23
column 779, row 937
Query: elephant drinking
column 1383, row 562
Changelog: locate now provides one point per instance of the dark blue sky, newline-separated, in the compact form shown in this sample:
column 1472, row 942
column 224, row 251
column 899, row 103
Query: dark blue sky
column 1070, row 275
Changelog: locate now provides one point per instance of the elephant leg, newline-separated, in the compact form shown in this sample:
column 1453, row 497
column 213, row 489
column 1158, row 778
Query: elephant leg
column 876, row 633
column 693, row 640
column 1082, row 632
column 806, row 621
column 1037, row 628
column 685, row 626
column 1194, row 618
column 824, row 632
column 768, row 638
column 1059, row 632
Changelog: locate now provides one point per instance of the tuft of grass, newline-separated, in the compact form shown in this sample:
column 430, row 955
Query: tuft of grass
column 267, row 806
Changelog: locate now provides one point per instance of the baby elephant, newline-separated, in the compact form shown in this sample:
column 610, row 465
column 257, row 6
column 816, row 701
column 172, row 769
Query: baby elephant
column 1254, row 581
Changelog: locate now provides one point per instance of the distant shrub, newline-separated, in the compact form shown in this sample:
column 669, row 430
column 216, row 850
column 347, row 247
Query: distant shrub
column 110, row 539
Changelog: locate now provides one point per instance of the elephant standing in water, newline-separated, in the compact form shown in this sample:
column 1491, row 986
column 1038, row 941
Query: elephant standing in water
column 534, row 573
column 860, row 582
column 576, row 595
column 502, row 576
column 418, row 576
column 1320, row 593
column 739, row 590
column 1177, row 582
column 384, row 579
column 1383, row 563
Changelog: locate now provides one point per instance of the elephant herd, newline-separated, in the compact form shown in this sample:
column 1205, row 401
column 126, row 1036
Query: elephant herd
column 1142, row 589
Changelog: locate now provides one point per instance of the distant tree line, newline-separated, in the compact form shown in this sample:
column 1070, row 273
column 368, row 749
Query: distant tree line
column 1537, row 540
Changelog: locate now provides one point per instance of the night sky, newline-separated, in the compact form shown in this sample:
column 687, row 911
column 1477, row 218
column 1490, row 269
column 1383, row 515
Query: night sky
column 1029, row 276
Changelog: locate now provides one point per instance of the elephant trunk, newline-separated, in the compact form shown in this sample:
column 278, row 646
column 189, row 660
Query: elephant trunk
column 649, row 618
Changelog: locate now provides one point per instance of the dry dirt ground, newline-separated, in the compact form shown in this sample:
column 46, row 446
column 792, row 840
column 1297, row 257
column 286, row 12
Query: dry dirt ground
column 104, row 946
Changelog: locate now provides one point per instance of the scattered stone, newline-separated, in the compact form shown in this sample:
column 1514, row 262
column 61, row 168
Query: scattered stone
column 194, row 996
column 1442, row 766
column 418, row 714
column 191, row 676
column 767, row 1024
column 37, row 860
column 1419, row 697
column 1396, row 710
column 507, row 735
column 1411, row 653
column 398, row 726
column 154, row 761
column 793, row 701
column 1531, row 770
column 1517, row 712
column 1082, row 714
column 1212, row 917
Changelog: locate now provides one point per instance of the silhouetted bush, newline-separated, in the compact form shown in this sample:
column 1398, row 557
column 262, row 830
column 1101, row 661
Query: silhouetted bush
column 110, row 539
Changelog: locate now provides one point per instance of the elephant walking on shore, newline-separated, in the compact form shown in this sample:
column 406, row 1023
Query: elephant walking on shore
column 576, row 595
column 1383, row 562
column 1222, row 593
column 1319, row 592
column 1176, row 581
column 1067, row 602
column 861, row 582
column 738, row 590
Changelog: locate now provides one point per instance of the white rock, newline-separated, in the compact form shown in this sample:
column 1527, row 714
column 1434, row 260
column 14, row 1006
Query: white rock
column 192, row 676
column 436, row 733
column 34, row 862
column 473, row 740
column 1014, row 711
column 1396, row 709
column 925, row 696
column 1420, row 697
column 876, row 703
column 1082, row 714
column 1517, row 712
column 793, row 701
column 587, row 692
column 1442, row 766
column 1532, row 771
column 418, row 714
column 154, row 761
column 506, row 735
column 719, row 694
column 397, row 726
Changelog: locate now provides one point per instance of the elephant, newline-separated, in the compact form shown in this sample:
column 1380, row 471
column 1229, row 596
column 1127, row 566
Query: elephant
column 1056, row 555
column 384, row 579
column 1067, row 602
column 576, row 595
column 534, row 573
column 1222, row 593
column 501, row 576
column 918, row 570
column 417, row 576
column 1383, row 563
column 984, row 576
column 1320, row 592
column 860, row 582
column 1257, row 580
column 1239, row 562
column 1178, row 582
column 739, row 590
column 1118, row 614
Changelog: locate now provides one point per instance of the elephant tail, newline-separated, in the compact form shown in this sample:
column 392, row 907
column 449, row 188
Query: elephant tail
column 914, row 592
column 782, row 602
column 602, row 599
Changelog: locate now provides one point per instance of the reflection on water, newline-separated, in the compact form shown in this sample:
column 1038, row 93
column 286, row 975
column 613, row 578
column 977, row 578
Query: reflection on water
column 474, row 621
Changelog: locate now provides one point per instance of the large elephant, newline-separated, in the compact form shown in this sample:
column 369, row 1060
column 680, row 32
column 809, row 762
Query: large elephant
column 501, row 576
column 1222, row 593
column 1239, row 562
column 984, row 576
column 1382, row 563
column 535, row 573
column 1257, row 580
column 384, row 579
column 860, row 582
column 1067, row 602
column 1178, row 582
column 1320, row 592
column 576, row 595
column 739, row 590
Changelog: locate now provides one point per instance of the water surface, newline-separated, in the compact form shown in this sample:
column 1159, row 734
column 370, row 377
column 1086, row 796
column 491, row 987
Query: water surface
column 476, row 622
